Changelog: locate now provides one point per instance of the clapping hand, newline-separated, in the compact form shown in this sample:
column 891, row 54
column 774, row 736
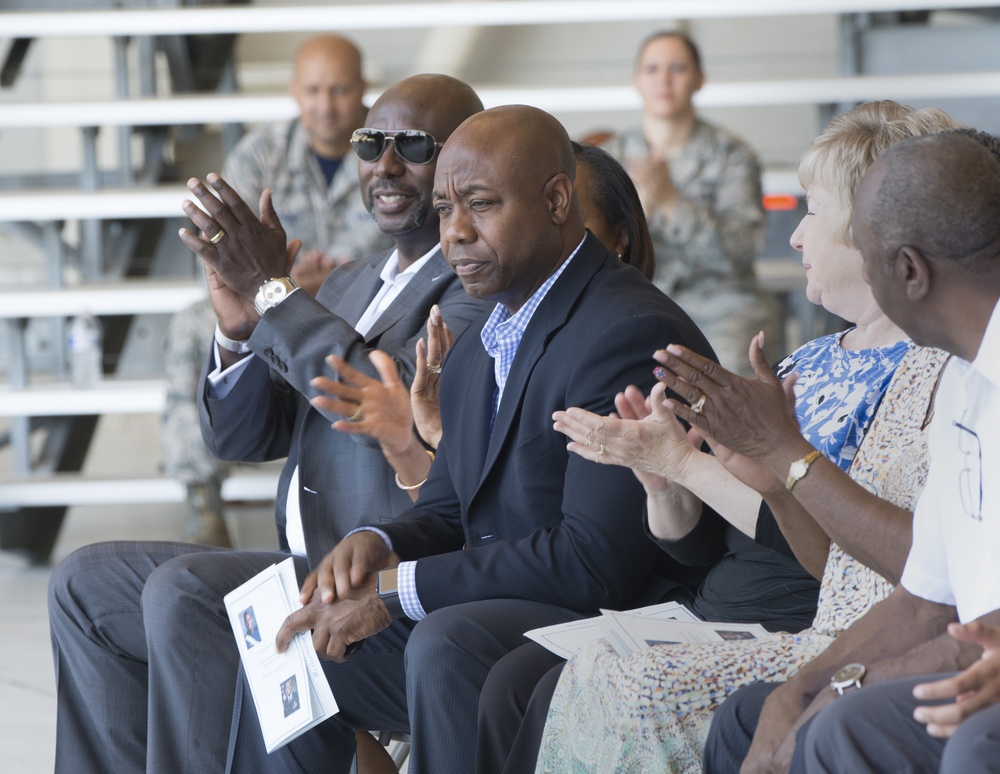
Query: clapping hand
column 748, row 416
column 240, row 251
column 643, row 435
column 426, row 380
column 380, row 409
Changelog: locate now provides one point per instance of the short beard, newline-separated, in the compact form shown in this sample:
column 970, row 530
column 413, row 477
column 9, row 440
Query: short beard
column 420, row 211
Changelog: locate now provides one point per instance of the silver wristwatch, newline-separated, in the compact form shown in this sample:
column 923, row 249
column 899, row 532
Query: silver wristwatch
column 273, row 292
column 847, row 677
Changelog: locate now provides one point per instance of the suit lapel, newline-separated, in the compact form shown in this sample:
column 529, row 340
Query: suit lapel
column 360, row 291
column 550, row 316
column 473, row 415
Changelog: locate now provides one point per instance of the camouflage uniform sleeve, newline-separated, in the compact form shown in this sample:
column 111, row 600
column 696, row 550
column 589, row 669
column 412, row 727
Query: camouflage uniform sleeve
column 244, row 169
column 189, row 339
column 723, row 234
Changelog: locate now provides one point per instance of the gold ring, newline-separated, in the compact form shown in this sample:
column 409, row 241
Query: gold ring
column 698, row 405
column 358, row 413
column 218, row 237
column 600, row 451
column 433, row 369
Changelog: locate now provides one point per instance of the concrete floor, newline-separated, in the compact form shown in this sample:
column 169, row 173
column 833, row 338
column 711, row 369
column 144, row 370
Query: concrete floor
column 130, row 445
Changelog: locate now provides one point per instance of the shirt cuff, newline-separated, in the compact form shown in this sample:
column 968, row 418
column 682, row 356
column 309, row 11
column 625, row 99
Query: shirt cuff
column 406, row 582
column 376, row 530
column 220, row 382
column 239, row 347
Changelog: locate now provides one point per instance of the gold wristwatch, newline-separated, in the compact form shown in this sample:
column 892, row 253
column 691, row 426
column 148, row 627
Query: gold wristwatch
column 798, row 469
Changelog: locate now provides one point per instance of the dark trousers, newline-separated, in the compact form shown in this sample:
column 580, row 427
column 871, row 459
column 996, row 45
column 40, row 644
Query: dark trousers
column 146, row 666
column 513, row 707
column 147, row 670
column 733, row 727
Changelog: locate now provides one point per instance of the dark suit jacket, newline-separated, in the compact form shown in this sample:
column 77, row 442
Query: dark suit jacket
column 344, row 481
column 539, row 523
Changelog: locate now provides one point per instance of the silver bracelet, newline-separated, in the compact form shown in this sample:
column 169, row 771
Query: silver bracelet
column 405, row 488
column 231, row 345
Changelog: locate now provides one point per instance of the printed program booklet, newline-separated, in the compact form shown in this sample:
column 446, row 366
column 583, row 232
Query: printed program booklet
column 634, row 630
column 289, row 689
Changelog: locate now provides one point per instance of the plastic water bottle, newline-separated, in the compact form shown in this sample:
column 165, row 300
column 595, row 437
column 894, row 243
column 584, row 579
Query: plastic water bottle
column 85, row 351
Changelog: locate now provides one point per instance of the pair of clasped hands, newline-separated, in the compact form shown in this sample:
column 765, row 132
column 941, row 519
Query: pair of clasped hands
column 240, row 251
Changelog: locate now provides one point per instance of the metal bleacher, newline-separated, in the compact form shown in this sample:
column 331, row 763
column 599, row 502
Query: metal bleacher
column 137, row 199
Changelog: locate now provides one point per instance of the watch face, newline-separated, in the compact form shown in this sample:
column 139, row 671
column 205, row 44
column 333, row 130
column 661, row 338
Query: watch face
column 387, row 582
column 849, row 674
column 798, row 469
column 273, row 291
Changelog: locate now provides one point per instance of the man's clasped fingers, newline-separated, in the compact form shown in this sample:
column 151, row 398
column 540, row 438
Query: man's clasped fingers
column 972, row 690
column 302, row 620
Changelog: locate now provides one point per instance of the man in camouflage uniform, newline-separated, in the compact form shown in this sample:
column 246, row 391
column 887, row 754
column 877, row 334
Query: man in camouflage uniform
column 317, row 197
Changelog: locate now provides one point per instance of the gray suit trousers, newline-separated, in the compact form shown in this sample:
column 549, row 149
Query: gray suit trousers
column 426, row 681
column 139, row 632
column 873, row 730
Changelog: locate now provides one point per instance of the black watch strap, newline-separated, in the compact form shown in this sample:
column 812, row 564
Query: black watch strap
column 392, row 604
column 388, row 592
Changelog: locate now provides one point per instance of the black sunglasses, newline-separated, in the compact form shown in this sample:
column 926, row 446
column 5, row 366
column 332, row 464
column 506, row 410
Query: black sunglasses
column 412, row 145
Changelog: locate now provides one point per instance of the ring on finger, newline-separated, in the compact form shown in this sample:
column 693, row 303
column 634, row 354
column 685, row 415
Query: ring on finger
column 218, row 237
column 434, row 368
column 600, row 450
column 699, row 404
column 358, row 413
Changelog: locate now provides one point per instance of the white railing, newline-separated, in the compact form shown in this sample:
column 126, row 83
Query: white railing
column 376, row 16
column 72, row 489
column 240, row 108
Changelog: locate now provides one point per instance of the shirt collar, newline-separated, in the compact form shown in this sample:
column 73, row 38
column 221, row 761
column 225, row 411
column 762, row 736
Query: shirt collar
column 520, row 319
column 391, row 273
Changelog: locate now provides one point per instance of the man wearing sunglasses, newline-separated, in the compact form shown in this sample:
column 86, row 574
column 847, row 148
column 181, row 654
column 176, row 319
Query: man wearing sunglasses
column 139, row 596
column 308, row 164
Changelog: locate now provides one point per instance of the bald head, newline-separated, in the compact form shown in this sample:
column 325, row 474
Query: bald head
column 940, row 194
column 398, row 192
column 432, row 102
column 529, row 140
column 329, row 49
column 504, row 190
column 328, row 86
column 927, row 223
